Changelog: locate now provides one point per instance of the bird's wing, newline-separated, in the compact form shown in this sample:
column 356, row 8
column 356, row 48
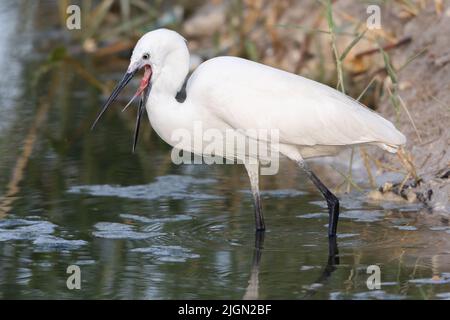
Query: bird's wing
column 249, row 95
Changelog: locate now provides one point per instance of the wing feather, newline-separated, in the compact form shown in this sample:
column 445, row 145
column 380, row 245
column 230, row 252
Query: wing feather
column 249, row 95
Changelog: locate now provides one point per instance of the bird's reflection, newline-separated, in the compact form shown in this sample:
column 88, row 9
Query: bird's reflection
column 252, row 291
column 330, row 267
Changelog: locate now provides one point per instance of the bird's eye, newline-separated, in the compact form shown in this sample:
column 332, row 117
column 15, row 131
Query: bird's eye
column 145, row 56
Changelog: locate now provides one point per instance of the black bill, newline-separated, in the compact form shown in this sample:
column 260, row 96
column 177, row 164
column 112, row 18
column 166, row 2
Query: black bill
column 126, row 78
column 140, row 112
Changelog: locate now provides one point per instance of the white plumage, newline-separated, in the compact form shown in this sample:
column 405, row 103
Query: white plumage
column 248, row 95
column 230, row 92
column 233, row 93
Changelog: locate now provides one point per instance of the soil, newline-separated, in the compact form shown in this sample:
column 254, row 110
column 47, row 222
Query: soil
column 424, row 85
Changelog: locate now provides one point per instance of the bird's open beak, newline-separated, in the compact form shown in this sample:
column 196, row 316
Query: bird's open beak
column 143, row 91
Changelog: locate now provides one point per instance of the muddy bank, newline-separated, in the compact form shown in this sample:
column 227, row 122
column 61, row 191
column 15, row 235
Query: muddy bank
column 424, row 87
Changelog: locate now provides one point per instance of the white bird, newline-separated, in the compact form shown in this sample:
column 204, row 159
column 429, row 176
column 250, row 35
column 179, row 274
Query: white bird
column 230, row 93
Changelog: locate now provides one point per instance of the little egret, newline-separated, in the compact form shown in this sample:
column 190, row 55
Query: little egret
column 230, row 93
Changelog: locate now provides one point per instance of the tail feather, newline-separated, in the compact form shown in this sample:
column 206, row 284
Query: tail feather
column 389, row 147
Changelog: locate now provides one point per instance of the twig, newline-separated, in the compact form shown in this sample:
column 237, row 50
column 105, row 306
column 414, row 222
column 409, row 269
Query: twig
column 367, row 165
column 350, row 170
column 348, row 179
column 387, row 47
column 331, row 26
column 306, row 44
column 408, row 164
column 402, row 103
column 12, row 187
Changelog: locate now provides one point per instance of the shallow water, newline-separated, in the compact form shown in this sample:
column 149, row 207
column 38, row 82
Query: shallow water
column 140, row 227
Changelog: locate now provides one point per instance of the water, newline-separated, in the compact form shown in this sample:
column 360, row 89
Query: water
column 140, row 227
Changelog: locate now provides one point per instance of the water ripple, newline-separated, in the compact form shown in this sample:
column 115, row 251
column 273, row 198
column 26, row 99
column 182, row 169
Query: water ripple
column 50, row 243
column 39, row 232
column 278, row 193
column 168, row 253
column 170, row 186
column 114, row 230
column 362, row 216
column 20, row 229
column 178, row 217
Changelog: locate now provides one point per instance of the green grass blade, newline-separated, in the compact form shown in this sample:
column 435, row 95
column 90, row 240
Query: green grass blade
column 351, row 45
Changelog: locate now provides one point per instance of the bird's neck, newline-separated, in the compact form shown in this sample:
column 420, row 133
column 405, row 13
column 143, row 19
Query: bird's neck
column 171, row 77
column 164, row 111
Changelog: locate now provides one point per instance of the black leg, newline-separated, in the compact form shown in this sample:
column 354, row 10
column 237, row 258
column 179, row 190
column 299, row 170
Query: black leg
column 332, row 200
column 333, row 260
column 252, row 292
column 259, row 244
column 333, row 252
column 253, row 174
column 259, row 219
